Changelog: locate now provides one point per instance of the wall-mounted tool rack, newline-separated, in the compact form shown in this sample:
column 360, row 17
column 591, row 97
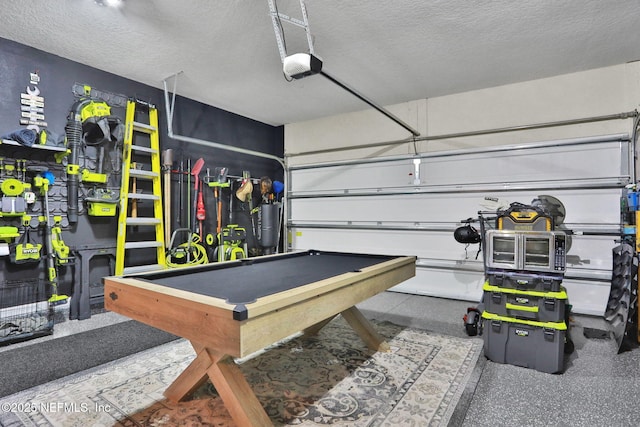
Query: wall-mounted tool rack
column 26, row 310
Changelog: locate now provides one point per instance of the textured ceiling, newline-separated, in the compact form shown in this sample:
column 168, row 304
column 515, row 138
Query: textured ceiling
column 390, row 51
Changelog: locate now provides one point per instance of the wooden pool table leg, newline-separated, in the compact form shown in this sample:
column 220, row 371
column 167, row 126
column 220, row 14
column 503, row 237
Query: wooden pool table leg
column 360, row 325
column 365, row 330
column 229, row 382
column 191, row 378
column 313, row 330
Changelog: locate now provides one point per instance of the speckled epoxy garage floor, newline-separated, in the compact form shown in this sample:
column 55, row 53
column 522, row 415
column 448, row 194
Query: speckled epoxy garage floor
column 599, row 387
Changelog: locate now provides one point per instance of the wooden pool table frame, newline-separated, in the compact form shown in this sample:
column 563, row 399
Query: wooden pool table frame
column 208, row 323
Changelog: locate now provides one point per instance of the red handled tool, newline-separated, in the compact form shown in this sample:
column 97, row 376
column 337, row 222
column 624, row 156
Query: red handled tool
column 200, row 211
column 198, row 200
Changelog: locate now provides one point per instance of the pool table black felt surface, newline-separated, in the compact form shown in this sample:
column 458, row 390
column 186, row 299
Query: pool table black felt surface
column 245, row 281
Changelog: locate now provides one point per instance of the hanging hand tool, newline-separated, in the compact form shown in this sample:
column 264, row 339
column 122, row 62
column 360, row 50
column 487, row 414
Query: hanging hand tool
column 180, row 192
column 188, row 193
column 42, row 181
column 197, row 167
column 60, row 249
column 221, row 181
column 167, row 162
column 251, row 211
column 200, row 211
column 218, row 209
column 244, row 194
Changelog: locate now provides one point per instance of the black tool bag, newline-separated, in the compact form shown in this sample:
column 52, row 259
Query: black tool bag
column 24, row 251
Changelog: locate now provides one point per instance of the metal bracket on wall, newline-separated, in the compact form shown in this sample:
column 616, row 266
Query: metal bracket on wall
column 86, row 91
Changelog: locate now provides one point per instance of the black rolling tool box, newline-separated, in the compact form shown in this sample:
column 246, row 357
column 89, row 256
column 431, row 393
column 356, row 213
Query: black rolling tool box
column 526, row 343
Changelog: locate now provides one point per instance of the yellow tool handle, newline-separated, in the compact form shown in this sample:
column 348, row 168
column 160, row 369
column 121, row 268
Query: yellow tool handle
column 52, row 275
column 510, row 306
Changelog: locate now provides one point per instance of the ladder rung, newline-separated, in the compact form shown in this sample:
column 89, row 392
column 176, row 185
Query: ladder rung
column 142, row 149
column 142, row 196
column 142, row 268
column 142, row 245
column 143, row 127
column 143, row 221
column 139, row 173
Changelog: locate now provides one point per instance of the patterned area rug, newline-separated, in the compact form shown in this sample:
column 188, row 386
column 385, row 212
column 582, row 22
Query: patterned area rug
column 330, row 379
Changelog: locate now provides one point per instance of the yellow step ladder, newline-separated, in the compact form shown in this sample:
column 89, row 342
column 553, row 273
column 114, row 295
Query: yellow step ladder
column 140, row 184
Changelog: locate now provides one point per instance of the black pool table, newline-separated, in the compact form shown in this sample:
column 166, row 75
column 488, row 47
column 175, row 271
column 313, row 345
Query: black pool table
column 233, row 309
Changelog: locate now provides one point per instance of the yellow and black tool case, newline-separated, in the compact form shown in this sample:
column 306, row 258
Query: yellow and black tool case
column 520, row 217
column 526, row 343
column 529, row 305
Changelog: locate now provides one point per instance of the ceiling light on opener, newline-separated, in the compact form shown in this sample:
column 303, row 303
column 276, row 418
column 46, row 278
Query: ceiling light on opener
column 109, row 3
column 301, row 65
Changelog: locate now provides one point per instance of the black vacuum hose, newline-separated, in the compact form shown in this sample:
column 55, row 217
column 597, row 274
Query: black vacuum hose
column 73, row 130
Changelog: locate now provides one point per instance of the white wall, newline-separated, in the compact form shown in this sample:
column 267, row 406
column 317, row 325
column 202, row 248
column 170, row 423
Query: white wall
column 598, row 92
